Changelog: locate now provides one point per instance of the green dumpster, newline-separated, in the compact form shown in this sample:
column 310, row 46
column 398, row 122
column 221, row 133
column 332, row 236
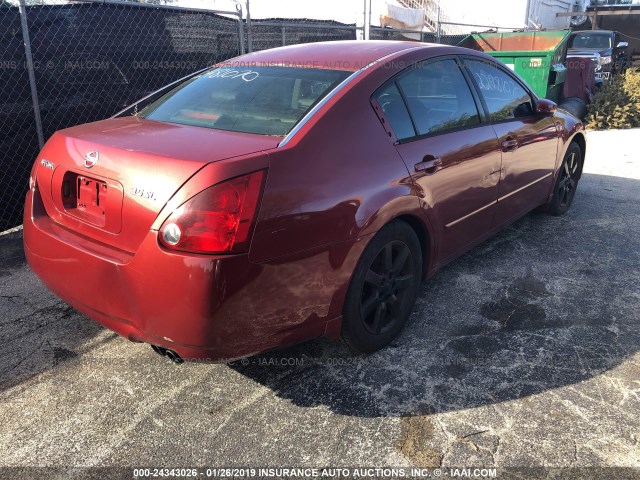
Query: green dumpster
column 538, row 57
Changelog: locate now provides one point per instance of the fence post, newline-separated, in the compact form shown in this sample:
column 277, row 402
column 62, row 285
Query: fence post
column 367, row 18
column 32, row 76
column 439, row 26
column 240, row 27
column 249, row 32
column 284, row 39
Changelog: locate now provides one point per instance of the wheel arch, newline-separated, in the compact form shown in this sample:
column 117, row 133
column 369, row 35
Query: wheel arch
column 409, row 210
column 424, row 235
column 580, row 139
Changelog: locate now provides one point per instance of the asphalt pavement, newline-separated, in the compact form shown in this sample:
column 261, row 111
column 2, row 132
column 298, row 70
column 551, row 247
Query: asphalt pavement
column 523, row 353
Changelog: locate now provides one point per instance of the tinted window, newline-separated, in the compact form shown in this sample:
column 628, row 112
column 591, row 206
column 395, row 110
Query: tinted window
column 438, row 97
column 265, row 100
column 504, row 96
column 598, row 41
column 395, row 111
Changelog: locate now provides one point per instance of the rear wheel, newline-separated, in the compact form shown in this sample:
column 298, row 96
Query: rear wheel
column 567, row 181
column 383, row 288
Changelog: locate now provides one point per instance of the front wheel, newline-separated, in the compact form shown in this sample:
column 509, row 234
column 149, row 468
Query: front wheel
column 567, row 181
column 383, row 288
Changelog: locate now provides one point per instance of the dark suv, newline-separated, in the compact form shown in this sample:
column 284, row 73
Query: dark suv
column 604, row 47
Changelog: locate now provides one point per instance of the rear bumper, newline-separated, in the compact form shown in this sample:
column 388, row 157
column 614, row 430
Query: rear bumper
column 202, row 307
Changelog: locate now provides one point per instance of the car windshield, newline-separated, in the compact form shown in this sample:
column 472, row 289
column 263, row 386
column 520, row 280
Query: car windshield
column 591, row 40
column 263, row 100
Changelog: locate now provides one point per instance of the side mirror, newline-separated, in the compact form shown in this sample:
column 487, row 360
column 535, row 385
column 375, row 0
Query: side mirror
column 546, row 108
column 622, row 45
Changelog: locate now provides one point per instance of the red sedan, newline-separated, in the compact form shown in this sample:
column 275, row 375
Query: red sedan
column 293, row 193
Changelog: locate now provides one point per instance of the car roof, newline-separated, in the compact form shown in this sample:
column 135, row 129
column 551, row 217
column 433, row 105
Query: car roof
column 350, row 55
column 593, row 31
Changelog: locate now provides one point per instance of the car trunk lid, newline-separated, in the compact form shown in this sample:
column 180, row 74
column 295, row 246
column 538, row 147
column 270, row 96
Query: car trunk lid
column 108, row 180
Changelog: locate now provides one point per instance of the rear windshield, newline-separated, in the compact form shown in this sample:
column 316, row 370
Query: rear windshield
column 263, row 100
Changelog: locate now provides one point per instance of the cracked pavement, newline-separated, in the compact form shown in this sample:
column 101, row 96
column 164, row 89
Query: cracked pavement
column 523, row 353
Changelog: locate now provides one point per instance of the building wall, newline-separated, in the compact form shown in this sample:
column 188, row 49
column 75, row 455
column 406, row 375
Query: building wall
column 543, row 12
column 507, row 13
column 493, row 13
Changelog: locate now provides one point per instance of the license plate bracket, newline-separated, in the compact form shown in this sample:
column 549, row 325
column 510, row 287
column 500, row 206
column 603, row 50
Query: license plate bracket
column 85, row 197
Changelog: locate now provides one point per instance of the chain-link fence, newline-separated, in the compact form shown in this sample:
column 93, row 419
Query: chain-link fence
column 386, row 33
column 90, row 60
column 78, row 61
column 18, row 134
column 278, row 32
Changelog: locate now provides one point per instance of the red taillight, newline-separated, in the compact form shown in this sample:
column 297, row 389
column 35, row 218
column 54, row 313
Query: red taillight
column 217, row 220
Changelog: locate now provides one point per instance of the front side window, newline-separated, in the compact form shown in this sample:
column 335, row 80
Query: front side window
column 506, row 99
column 263, row 100
column 438, row 97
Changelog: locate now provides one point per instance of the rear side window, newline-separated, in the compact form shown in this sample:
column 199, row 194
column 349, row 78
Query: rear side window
column 438, row 97
column 263, row 100
column 395, row 111
column 506, row 99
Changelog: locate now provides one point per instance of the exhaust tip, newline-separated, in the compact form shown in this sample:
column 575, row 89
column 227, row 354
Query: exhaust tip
column 159, row 350
column 174, row 357
column 170, row 354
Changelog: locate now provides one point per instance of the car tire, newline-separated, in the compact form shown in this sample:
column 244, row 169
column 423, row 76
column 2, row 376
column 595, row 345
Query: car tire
column 383, row 288
column 566, row 184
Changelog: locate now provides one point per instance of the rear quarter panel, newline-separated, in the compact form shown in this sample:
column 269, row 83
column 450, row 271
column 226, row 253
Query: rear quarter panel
column 323, row 198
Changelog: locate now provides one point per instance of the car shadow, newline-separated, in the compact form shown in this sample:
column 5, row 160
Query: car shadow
column 37, row 330
column 548, row 302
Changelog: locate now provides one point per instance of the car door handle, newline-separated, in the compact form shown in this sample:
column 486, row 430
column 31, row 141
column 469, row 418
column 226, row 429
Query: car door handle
column 509, row 144
column 429, row 165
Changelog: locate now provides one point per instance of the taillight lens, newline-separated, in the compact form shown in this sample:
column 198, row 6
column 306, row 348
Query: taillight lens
column 219, row 219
